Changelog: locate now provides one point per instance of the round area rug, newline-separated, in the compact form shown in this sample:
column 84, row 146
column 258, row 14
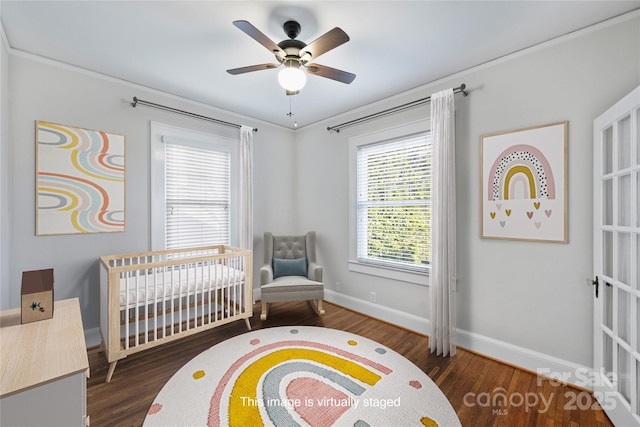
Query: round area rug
column 300, row 376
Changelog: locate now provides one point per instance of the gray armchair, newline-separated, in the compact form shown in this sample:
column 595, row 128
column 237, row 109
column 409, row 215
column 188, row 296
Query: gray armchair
column 290, row 272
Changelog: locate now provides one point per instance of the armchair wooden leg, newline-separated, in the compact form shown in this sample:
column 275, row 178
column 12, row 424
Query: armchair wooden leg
column 316, row 305
column 265, row 310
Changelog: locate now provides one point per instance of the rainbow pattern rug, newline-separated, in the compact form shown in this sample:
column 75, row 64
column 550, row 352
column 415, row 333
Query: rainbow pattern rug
column 300, row 376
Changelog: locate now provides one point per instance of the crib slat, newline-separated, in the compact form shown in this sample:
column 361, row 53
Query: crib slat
column 155, row 302
column 187, row 293
column 164, row 301
column 137, row 308
column 126, row 312
column 216, row 294
column 224, row 311
column 203, row 292
column 146, row 306
column 179, row 298
column 171, row 272
column 234, row 287
column 241, row 298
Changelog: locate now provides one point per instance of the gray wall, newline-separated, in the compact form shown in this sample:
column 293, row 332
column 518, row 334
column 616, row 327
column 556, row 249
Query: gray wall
column 531, row 295
column 41, row 90
column 4, row 173
column 527, row 294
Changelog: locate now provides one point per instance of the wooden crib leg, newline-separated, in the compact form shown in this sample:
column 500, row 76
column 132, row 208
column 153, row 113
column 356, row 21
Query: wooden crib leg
column 112, row 367
column 246, row 321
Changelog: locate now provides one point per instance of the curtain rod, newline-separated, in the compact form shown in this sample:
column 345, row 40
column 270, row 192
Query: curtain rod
column 402, row 107
column 137, row 101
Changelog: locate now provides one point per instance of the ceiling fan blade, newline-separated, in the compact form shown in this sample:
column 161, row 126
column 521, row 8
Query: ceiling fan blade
column 331, row 73
column 325, row 43
column 251, row 68
column 257, row 35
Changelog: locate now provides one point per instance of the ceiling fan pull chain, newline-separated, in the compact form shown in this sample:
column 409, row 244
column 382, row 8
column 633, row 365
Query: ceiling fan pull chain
column 295, row 122
column 291, row 113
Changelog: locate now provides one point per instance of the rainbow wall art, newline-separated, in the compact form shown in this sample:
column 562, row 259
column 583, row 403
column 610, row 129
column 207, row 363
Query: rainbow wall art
column 80, row 180
column 524, row 184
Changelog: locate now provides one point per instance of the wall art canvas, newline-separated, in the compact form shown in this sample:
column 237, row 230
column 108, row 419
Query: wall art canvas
column 524, row 184
column 80, row 180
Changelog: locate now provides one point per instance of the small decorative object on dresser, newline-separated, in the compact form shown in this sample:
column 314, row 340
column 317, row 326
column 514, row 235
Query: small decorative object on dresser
column 36, row 295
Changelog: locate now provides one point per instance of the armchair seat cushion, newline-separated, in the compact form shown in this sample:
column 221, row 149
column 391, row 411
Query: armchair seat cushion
column 292, row 288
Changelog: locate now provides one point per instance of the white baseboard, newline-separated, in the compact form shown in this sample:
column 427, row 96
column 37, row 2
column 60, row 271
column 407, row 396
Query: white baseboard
column 550, row 366
column 531, row 360
column 391, row 315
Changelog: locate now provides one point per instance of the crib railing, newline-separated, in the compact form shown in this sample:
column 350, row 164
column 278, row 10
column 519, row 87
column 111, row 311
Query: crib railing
column 150, row 298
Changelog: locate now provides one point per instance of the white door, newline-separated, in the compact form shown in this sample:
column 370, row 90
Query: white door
column 616, row 164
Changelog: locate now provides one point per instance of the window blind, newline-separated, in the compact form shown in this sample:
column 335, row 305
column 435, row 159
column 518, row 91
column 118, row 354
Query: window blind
column 197, row 195
column 393, row 202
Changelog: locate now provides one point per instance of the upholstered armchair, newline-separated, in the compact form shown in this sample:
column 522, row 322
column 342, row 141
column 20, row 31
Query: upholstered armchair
column 290, row 272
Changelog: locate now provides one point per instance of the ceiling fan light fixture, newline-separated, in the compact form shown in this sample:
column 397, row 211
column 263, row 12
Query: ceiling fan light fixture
column 292, row 78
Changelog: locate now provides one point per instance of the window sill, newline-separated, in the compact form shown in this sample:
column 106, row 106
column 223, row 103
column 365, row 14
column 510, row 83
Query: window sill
column 418, row 278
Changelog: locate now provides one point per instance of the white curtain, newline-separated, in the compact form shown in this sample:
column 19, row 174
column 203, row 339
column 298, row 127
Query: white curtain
column 443, row 226
column 246, row 188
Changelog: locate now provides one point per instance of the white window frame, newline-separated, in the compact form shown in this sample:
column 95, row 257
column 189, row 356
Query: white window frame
column 389, row 134
column 191, row 137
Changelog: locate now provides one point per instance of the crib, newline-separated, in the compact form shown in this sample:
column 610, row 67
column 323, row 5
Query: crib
column 151, row 298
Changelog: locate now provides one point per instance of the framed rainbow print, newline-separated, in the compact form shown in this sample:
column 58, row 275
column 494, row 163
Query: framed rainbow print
column 524, row 184
column 80, row 180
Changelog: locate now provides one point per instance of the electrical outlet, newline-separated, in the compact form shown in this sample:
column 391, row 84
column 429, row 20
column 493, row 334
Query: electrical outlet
column 338, row 286
column 372, row 296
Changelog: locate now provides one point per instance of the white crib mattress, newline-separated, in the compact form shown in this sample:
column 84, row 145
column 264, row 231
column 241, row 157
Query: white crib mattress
column 166, row 285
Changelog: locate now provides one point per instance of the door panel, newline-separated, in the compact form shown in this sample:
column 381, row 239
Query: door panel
column 617, row 260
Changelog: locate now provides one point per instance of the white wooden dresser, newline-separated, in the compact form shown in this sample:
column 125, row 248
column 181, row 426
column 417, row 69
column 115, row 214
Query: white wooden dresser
column 44, row 369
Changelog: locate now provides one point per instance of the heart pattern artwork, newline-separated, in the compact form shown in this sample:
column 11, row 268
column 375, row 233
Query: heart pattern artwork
column 536, row 216
column 523, row 184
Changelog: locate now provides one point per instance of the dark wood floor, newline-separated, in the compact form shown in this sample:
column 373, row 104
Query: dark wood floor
column 472, row 383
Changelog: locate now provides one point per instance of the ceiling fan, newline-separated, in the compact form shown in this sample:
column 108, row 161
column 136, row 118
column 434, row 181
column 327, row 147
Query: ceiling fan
column 296, row 55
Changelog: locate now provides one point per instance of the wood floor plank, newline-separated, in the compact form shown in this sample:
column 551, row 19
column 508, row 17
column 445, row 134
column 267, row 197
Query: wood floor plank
column 463, row 378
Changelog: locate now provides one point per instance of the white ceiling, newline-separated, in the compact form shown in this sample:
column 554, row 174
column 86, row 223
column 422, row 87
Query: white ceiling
column 185, row 47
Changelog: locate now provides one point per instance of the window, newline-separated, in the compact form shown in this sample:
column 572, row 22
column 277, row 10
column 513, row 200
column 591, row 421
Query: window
column 391, row 202
column 197, row 196
column 193, row 176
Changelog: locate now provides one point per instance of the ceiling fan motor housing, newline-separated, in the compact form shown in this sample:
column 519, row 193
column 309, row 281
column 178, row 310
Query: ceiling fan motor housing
column 291, row 49
column 291, row 46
